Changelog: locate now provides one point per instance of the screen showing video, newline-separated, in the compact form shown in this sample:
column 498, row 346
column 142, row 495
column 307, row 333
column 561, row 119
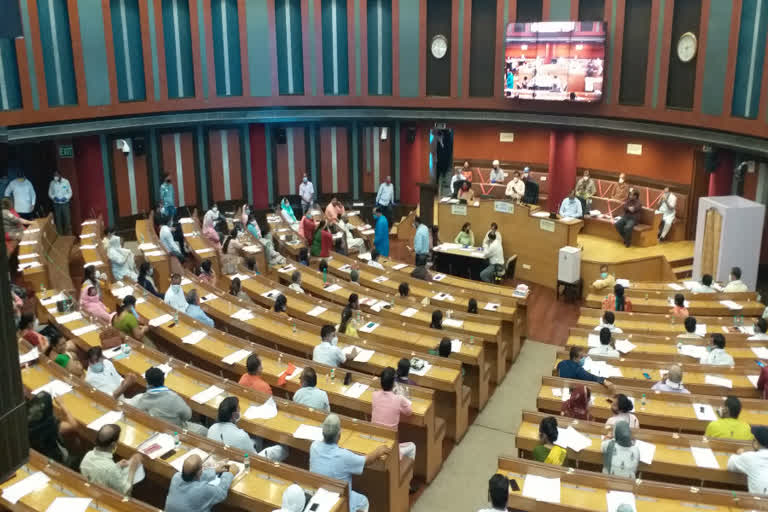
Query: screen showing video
column 555, row 61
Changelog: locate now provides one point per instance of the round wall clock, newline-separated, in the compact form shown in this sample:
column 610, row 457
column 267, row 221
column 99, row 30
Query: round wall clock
column 439, row 46
column 686, row 47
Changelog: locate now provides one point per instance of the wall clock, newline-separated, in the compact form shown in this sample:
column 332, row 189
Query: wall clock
column 686, row 47
column 439, row 46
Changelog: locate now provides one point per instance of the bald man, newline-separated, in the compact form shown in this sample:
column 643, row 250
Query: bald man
column 192, row 490
column 673, row 382
column 99, row 467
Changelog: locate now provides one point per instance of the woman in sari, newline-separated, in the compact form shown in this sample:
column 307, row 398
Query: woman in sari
column 287, row 211
column 548, row 452
column 577, row 406
column 230, row 253
column 91, row 304
column 209, row 231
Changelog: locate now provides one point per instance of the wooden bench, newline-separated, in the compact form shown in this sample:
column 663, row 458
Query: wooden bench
column 660, row 289
column 644, row 233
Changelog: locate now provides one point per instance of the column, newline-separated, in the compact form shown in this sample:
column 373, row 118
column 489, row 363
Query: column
column 562, row 166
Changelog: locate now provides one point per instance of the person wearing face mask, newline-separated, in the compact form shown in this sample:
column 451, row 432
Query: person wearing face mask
column 621, row 407
column 573, row 368
column 92, row 305
column 64, row 353
column 195, row 489
column 212, row 215
column 253, row 227
column 226, row 431
column 327, row 352
column 127, row 320
column 531, row 188
column 735, row 284
column 334, row 211
column 174, row 296
column 667, row 205
column 293, row 500
column 497, row 174
column 286, row 210
column 307, row 194
column 145, row 280
column 122, row 260
column 307, row 228
column 585, row 189
column 60, row 192
column 458, row 177
column 515, row 188
column 728, row 426
column 621, row 189
column 99, row 467
column 169, row 242
column 760, row 327
column 209, row 229
column 753, row 463
column 102, row 375
column 166, row 197
column 716, row 353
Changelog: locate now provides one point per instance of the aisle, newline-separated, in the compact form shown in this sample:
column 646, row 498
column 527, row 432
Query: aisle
column 462, row 484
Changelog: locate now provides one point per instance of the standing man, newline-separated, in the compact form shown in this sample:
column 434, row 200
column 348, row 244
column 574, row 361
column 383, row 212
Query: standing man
column 531, row 188
column 494, row 253
column 585, row 189
column 385, row 199
column 497, row 174
column 515, row 188
column 421, row 242
column 667, row 211
column 166, row 196
column 307, row 193
column 621, row 190
column 381, row 233
column 625, row 224
column 60, row 193
column 23, row 194
column 334, row 211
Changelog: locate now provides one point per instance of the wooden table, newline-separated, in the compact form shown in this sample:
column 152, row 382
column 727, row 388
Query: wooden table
column 699, row 305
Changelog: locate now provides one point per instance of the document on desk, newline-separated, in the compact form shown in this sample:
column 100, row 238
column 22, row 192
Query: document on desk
column 193, row 338
column 323, row 501
column 572, row 438
column 166, row 368
column 243, row 315
column 593, row 340
column 491, row 306
column 705, row 457
column 265, row 411
column 409, row 312
column 160, row 320
column 364, row 355
column 356, row 390
column 106, row 419
column 718, row 381
column 156, row 253
column 54, row 388
column 542, row 489
column 178, row 462
column 381, row 279
column 369, row 327
column 624, row 282
column 452, row 322
column 690, row 284
column 30, row 255
column 379, row 305
column 704, row 412
column 32, row 355
column 241, row 277
column 696, row 351
column 399, row 266
column 647, row 451
column 309, row 432
column 236, row 357
column 753, row 379
column 675, row 286
column 455, row 345
column 615, row 499
column 423, row 371
column 760, row 352
column 731, row 305
column 438, row 277
column 625, row 346
column 317, row 311
column 157, row 445
column 701, row 329
column 34, row 482
column 66, row 504
column 148, row 246
column 333, row 287
column 207, row 394
column 271, row 294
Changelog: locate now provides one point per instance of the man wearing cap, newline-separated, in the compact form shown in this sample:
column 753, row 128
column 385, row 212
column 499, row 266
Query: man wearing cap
column 531, row 188
column 497, row 174
column 328, row 459
column 753, row 463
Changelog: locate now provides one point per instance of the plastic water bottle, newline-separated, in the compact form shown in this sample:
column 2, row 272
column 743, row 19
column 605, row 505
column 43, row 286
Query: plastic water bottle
column 293, row 327
column 471, row 340
column 333, row 375
column 642, row 400
column 175, row 317
column 325, row 276
column 246, row 463
column 42, row 289
column 176, row 440
column 126, row 349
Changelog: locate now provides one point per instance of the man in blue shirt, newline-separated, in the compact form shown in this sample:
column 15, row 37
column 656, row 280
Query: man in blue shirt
column 166, row 196
column 421, row 241
column 574, row 368
column 327, row 352
column 328, row 459
column 381, row 236
column 195, row 311
column 571, row 207
column 195, row 489
column 309, row 394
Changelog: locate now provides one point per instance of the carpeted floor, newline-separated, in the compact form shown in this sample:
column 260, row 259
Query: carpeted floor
column 462, row 483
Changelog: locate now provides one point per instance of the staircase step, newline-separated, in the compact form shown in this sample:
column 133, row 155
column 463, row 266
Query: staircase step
column 681, row 262
column 683, row 271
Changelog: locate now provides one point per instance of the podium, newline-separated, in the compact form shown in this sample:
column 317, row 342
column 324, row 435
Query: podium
column 427, row 193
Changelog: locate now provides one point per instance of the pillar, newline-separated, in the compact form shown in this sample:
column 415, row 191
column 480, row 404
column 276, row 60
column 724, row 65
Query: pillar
column 562, row 166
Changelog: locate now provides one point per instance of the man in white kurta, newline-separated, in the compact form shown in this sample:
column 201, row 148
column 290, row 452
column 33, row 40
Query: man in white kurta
column 667, row 211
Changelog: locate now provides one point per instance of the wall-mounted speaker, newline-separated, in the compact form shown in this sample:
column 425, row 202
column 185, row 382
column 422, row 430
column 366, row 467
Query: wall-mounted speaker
column 280, row 136
column 139, row 146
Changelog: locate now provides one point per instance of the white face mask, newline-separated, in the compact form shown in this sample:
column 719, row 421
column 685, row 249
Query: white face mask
column 215, row 209
column 621, row 180
column 176, row 288
column 334, row 340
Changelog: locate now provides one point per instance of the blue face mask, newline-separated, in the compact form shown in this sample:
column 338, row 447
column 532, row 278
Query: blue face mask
column 582, row 361
column 98, row 367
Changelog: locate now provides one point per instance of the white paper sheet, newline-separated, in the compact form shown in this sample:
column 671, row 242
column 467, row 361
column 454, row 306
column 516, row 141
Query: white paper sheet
column 491, row 306
column 760, row 352
column 409, row 312
column 542, row 489
column 369, row 327
column 242, row 277
column 207, row 298
column 271, row 294
column 28, row 242
column 67, row 504
column 34, row 482
column 69, row 317
column 265, row 411
column 309, row 432
column 54, row 388
column 625, row 346
column 165, row 368
column 356, row 390
column 379, row 306
column 718, row 381
column 647, row 451
column 325, row 501
column 186, row 220
column 614, row 499
column 207, row 394
column 287, row 268
column 381, row 279
column 455, row 345
column 194, row 337
column 438, row 277
column 364, row 355
column 704, row 412
column 121, row 291
column 147, row 246
column 317, row 311
column 28, row 256
column 333, row 287
column 87, row 235
column 695, row 351
column 160, row 320
column 705, row 457
column 29, row 264
column 427, row 366
column 690, row 284
column 139, row 475
column 113, row 352
column 105, row 419
column 243, row 315
column 237, row 356
column 88, row 223
column 701, row 329
column 399, row 266
column 624, row 282
column 573, row 439
column 178, row 462
column 32, row 355
column 753, row 379
column 452, row 322
column 252, row 249
column 53, row 299
column 731, row 305
column 593, row 340
column 165, row 443
column 675, row 286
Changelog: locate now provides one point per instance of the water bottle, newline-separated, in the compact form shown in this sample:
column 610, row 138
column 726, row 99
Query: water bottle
column 126, row 348
column 325, row 276
column 333, row 375
column 176, row 441
column 293, row 327
column 175, row 317
column 471, row 340
column 246, row 463
column 42, row 289
column 642, row 400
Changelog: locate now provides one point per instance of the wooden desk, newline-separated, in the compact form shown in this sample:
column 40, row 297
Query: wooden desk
column 200, row 247
column 535, row 240
column 260, row 489
column 664, row 411
column 419, row 340
column 280, row 229
column 91, row 250
column 585, row 491
column 34, row 248
column 672, row 462
column 662, row 289
column 699, row 305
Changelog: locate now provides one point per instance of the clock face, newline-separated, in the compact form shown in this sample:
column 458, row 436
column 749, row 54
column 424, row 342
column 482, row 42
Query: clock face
column 439, row 46
column 686, row 47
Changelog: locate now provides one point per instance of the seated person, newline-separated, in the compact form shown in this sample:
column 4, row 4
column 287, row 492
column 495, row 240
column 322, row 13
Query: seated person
column 327, row 352
column 46, row 431
column 64, row 353
column 252, row 378
column 169, row 242
column 102, row 375
column 207, row 275
column 494, row 253
column 348, row 325
column 174, row 295
column 465, row 236
column 673, row 382
column 236, row 290
column 607, row 321
column 621, row 407
column 122, row 260
column 548, row 452
column 753, row 462
column 443, row 349
column 195, row 311
column 209, row 231
column 225, row 430
column 616, row 301
column 353, row 244
column 573, row 368
column 28, row 331
column 466, row 193
column 759, row 328
column 498, row 493
column 735, row 284
column 127, row 321
column 253, row 227
column 729, row 426
column 716, row 353
column 91, row 304
column 705, row 286
column 286, row 211
column 606, row 281
column 690, row 329
column 577, row 405
column 515, row 188
column 146, row 281
column 472, row 306
column 403, row 289
column 296, row 282
column 403, row 370
column 679, row 310
column 374, row 261
column 571, row 207
column 387, row 407
column 354, row 277
column 437, row 319
column 621, row 456
column 309, row 394
column 294, row 499
column 99, row 467
column 605, row 349
column 281, row 304
column 198, row 489
column 421, row 272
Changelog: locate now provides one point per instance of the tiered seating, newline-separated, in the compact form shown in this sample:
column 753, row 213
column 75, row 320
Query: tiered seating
column 702, row 304
column 658, row 289
column 667, row 325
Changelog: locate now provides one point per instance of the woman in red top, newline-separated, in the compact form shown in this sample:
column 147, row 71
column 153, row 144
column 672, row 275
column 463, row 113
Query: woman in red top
column 307, row 228
column 27, row 331
column 577, row 405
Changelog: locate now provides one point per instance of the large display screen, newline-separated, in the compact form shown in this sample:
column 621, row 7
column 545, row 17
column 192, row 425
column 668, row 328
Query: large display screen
column 555, row 61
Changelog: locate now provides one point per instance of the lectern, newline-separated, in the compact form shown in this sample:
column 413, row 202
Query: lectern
column 427, row 193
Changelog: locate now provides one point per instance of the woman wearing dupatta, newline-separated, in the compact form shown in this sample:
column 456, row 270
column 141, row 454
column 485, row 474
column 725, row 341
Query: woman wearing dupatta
column 577, row 406
column 287, row 211
column 91, row 304
column 548, row 452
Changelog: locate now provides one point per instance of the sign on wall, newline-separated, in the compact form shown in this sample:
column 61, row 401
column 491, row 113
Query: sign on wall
column 459, row 209
column 503, row 207
column 506, row 137
column 66, row 151
column 634, row 149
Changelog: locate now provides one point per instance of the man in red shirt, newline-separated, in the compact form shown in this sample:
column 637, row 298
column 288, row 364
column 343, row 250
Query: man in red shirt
column 387, row 408
column 253, row 379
